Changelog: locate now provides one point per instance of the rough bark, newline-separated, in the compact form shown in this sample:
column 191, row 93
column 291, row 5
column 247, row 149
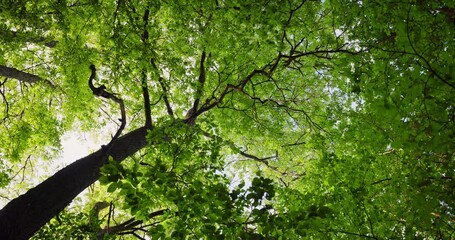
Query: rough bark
column 23, row 216
column 19, row 75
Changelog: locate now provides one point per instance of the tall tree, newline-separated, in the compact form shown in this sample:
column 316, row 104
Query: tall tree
column 252, row 119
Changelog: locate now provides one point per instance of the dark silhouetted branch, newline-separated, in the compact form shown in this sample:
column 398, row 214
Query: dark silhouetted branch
column 21, row 76
column 170, row 112
column 101, row 92
column 127, row 225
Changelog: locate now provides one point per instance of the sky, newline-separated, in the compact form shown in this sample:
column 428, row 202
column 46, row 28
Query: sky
column 75, row 145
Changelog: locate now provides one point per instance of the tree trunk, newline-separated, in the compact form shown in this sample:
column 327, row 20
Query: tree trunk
column 26, row 214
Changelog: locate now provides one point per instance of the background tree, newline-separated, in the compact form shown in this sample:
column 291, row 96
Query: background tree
column 259, row 119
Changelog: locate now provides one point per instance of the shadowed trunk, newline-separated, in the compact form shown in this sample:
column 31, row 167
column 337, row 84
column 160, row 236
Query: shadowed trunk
column 26, row 214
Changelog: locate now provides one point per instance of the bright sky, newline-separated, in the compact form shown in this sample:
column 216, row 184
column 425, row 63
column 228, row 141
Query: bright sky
column 75, row 146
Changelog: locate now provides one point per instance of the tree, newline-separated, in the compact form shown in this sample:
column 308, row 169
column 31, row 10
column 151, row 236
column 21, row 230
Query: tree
column 260, row 119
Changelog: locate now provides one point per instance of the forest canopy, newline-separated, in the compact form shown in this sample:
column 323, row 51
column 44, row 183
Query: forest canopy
column 229, row 119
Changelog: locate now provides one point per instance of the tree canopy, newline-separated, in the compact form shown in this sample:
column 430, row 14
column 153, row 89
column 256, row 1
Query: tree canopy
column 230, row 119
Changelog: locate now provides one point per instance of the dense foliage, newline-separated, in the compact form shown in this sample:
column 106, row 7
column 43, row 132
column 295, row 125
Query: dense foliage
column 270, row 119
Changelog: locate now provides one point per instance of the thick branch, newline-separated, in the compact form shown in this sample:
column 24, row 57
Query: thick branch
column 145, row 34
column 144, row 38
column 201, row 82
column 145, row 94
column 145, row 91
column 193, row 112
column 21, row 76
column 170, row 112
column 101, row 92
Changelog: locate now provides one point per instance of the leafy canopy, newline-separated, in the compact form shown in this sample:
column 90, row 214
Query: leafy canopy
column 271, row 119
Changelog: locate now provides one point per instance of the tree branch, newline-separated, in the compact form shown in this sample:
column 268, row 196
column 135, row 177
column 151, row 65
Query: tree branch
column 145, row 94
column 201, row 82
column 127, row 225
column 170, row 112
column 22, row 76
column 262, row 160
column 192, row 113
column 320, row 53
column 101, row 92
column 268, row 71
column 429, row 67
column 145, row 91
column 228, row 89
